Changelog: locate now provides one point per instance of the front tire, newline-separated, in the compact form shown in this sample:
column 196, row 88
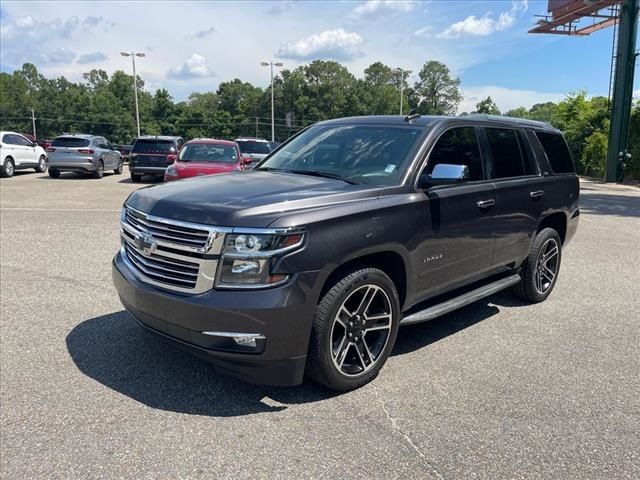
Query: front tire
column 7, row 169
column 42, row 165
column 119, row 168
column 136, row 177
column 53, row 173
column 540, row 270
column 99, row 171
column 354, row 329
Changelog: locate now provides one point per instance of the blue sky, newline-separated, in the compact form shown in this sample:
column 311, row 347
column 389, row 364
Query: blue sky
column 193, row 46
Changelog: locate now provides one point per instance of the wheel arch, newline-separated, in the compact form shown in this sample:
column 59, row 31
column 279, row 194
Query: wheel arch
column 557, row 221
column 389, row 261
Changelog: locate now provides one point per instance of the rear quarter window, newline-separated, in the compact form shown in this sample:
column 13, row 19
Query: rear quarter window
column 70, row 142
column 507, row 157
column 557, row 152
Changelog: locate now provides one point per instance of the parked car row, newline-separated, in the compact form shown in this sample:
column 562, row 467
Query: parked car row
column 174, row 159
column 165, row 156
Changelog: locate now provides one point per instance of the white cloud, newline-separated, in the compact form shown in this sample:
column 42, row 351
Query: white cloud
column 486, row 24
column 91, row 21
column 92, row 57
column 374, row 8
column 58, row 56
column 505, row 98
column 28, row 28
column 424, row 31
column 279, row 7
column 204, row 33
column 636, row 94
column 194, row 67
column 331, row 44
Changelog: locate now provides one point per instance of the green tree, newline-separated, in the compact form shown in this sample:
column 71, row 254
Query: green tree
column 487, row 106
column 438, row 91
column 594, row 154
column 519, row 112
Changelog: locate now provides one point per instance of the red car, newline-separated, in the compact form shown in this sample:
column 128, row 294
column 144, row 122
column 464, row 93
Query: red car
column 205, row 156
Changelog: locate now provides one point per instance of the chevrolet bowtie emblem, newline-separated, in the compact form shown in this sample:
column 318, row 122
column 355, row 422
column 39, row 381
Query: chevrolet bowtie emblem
column 145, row 242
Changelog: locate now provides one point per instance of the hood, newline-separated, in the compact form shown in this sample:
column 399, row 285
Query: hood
column 245, row 199
column 192, row 169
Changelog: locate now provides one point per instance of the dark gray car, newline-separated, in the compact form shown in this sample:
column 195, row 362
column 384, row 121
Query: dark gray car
column 82, row 153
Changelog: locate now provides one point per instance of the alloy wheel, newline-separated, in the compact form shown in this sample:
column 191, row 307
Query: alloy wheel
column 8, row 168
column 547, row 266
column 361, row 330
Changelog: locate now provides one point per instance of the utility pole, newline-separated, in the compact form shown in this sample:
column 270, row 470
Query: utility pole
column 133, row 56
column 256, row 127
column 622, row 87
column 33, row 122
column 273, row 121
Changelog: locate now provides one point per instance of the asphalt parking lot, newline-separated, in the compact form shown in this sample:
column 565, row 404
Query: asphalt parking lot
column 498, row 389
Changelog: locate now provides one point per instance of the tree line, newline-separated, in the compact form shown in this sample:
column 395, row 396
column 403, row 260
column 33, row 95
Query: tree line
column 103, row 104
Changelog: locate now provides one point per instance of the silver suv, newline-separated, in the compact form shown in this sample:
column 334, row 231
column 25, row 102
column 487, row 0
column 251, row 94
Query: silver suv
column 83, row 154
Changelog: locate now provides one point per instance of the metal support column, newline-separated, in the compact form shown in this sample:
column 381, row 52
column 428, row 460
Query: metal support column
column 622, row 88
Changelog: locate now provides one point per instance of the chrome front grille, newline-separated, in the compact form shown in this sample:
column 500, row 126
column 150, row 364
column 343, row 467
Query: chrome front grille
column 167, row 230
column 170, row 254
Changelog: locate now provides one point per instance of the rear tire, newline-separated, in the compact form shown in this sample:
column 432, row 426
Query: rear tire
column 119, row 168
column 541, row 268
column 136, row 177
column 99, row 171
column 53, row 173
column 7, row 169
column 42, row 165
column 354, row 330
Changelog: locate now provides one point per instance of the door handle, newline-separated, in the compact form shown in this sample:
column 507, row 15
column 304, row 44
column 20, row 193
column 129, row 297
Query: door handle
column 486, row 203
column 537, row 194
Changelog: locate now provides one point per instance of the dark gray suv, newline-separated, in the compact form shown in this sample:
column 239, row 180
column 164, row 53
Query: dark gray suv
column 312, row 261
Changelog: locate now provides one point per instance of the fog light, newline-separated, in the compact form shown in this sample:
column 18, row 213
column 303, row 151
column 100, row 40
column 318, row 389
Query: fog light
column 245, row 341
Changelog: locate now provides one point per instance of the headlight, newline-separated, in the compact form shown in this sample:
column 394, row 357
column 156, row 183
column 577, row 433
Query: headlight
column 247, row 258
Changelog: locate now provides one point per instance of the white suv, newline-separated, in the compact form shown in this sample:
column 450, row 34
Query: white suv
column 18, row 152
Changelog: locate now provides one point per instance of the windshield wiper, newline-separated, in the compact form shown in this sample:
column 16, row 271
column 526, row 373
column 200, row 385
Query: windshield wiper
column 321, row 173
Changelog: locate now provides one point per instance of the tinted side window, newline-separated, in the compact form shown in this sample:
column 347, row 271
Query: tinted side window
column 20, row 140
column 507, row 157
column 557, row 152
column 458, row 146
column 9, row 139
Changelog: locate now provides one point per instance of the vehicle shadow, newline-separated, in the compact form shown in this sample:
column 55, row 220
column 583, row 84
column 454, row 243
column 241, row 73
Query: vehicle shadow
column 415, row 337
column 145, row 180
column 113, row 350
column 73, row 176
column 606, row 204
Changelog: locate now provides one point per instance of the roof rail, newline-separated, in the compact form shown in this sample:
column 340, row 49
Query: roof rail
column 503, row 118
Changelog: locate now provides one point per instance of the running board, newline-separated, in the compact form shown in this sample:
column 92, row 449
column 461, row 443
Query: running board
column 458, row 302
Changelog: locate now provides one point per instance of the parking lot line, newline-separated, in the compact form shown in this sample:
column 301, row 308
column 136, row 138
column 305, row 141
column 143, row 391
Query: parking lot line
column 23, row 209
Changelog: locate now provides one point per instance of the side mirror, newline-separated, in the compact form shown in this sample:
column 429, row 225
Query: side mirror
column 445, row 173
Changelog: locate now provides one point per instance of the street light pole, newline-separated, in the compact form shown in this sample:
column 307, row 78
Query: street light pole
column 273, row 128
column 402, row 72
column 133, row 56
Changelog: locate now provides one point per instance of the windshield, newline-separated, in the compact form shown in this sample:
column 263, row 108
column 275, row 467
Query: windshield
column 70, row 142
column 153, row 146
column 250, row 146
column 373, row 154
column 208, row 152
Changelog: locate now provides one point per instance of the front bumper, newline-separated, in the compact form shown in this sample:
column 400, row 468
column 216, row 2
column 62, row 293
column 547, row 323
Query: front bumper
column 279, row 317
